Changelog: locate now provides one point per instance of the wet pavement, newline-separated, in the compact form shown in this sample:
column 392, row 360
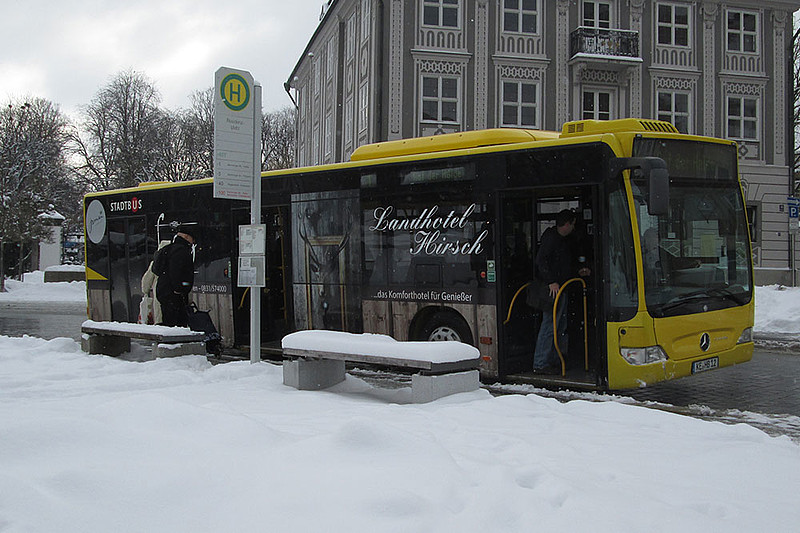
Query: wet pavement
column 46, row 320
column 769, row 383
column 764, row 392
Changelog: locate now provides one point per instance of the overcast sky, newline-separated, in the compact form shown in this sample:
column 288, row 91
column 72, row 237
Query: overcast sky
column 66, row 50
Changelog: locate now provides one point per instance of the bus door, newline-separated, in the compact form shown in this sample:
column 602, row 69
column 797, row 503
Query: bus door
column 274, row 297
column 519, row 322
column 525, row 217
column 128, row 261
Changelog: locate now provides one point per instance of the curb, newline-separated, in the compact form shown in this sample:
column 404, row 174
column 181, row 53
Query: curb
column 780, row 342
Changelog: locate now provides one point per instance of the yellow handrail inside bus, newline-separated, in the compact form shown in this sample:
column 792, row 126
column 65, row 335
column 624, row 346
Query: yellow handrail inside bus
column 511, row 305
column 585, row 327
column 244, row 295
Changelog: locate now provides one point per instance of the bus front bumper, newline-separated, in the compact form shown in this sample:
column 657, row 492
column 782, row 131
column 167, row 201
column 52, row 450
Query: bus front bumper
column 623, row 375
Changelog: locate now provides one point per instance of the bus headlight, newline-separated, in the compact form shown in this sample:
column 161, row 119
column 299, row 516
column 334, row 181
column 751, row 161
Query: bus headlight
column 746, row 336
column 643, row 356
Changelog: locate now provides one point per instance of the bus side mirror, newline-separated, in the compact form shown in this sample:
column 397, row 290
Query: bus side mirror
column 658, row 202
column 654, row 170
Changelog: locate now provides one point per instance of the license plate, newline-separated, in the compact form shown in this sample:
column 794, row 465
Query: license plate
column 705, row 364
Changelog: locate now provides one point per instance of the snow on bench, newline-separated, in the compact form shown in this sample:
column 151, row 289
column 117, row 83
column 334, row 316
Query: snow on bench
column 114, row 338
column 316, row 360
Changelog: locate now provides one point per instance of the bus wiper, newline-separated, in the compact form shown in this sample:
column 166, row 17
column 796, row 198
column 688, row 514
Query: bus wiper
column 725, row 293
column 678, row 301
column 703, row 294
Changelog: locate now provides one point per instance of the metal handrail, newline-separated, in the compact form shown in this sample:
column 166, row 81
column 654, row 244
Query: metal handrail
column 585, row 327
column 511, row 305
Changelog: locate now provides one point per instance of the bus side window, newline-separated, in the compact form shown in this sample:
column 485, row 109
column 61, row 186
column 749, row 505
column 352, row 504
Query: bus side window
column 622, row 286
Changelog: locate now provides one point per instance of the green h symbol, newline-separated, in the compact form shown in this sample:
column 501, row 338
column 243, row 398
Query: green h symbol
column 235, row 92
column 234, row 89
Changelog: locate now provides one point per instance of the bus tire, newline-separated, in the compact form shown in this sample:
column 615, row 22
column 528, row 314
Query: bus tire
column 444, row 326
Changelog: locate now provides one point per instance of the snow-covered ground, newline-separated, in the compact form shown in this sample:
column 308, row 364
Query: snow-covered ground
column 34, row 289
column 93, row 443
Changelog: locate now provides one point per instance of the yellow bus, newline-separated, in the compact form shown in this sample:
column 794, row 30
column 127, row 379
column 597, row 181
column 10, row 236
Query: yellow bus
column 434, row 239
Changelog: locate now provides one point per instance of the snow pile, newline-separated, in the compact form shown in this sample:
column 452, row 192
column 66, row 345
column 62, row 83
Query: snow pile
column 777, row 309
column 93, row 443
column 33, row 288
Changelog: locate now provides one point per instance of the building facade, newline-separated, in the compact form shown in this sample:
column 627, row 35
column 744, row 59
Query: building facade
column 378, row 70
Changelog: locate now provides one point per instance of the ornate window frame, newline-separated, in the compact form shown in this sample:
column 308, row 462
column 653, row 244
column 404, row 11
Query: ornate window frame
column 750, row 148
column 595, row 22
column 673, row 25
column 328, row 137
column 675, row 86
column 598, row 95
column 331, row 59
column 440, row 99
column 520, row 74
column 363, row 107
column 441, row 7
column 428, row 66
column 678, row 111
column 366, row 21
column 527, row 98
column 511, row 44
column 521, row 13
column 742, row 32
column 747, row 112
column 317, row 68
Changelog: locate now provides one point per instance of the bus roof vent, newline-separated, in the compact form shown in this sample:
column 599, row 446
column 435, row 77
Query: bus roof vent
column 449, row 141
column 658, row 125
column 596, row 127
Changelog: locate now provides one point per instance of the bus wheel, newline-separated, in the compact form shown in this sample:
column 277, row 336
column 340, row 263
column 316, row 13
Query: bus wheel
column 446, row 327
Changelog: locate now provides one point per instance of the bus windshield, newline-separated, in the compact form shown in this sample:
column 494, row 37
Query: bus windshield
column 695, row 258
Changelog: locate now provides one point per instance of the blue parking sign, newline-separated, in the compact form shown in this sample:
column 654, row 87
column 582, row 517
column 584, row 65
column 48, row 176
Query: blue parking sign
column 794, row 206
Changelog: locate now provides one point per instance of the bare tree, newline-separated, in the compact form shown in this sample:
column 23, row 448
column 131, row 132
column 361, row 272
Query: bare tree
column 201, row 127
column 33, row 139
column 174, row 157
column 278, row 139
column 120, row 127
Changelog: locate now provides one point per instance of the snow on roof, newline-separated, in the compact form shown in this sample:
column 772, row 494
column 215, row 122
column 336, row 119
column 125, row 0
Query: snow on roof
column 379, row 345
column 52, row 215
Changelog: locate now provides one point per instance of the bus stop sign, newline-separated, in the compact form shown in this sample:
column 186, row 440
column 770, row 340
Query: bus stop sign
column 234, row 134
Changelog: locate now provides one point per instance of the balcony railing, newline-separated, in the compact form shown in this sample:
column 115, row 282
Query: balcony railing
column 604, row 42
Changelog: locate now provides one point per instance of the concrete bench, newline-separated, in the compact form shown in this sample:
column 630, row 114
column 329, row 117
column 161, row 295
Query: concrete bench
column 316, row 360
column 114, row 338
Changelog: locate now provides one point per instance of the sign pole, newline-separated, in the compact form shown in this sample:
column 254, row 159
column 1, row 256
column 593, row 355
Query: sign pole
column 237, row 176
column 255, row 218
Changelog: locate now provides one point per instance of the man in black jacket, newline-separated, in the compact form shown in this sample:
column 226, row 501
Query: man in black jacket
column 555, row 264
column 173, row 287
